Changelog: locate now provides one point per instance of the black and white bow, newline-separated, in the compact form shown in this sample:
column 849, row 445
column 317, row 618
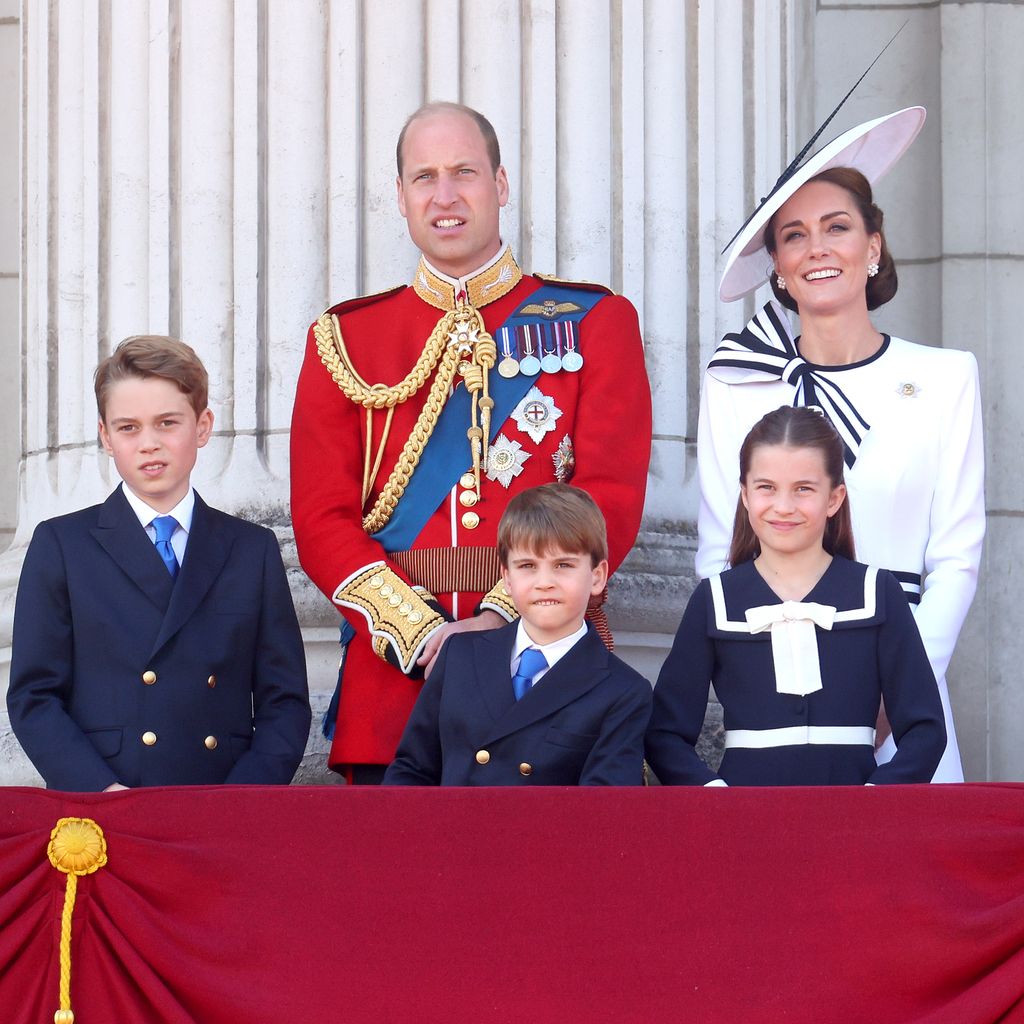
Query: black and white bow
column 765, row 350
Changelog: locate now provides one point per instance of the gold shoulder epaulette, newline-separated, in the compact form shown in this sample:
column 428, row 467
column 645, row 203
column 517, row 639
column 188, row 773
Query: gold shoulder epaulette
column 587, row 286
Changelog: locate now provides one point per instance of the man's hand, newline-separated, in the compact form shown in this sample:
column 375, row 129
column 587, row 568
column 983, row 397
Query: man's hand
column 485, row 620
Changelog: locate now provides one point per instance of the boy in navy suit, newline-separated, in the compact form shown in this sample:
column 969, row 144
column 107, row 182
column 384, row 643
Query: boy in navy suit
column 540, row 701
column 155, row 640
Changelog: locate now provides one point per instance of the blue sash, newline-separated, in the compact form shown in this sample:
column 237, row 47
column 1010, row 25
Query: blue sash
column 446, row 456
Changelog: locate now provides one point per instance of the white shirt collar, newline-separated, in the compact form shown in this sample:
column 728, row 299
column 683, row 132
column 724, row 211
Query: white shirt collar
column 552, row 652
column 460, row 283
column 182, row 512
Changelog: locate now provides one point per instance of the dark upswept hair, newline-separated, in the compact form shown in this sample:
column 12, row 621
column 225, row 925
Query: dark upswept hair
column 153, row 355
column 794, row 427
column 880, row 288
column 553, row 516
column 439, row 107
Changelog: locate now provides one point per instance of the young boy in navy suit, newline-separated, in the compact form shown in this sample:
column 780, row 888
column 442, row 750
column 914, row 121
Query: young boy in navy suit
column 541, row 701
column 155, row 640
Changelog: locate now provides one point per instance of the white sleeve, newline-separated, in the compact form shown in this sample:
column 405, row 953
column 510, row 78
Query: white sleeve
column 718, row 465
column 956, row 520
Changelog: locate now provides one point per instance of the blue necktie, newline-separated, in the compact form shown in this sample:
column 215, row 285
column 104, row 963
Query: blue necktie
column 165, row 527
column 531, row 662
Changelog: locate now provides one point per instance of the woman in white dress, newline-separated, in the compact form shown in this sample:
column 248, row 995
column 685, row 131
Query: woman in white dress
column 909, row 415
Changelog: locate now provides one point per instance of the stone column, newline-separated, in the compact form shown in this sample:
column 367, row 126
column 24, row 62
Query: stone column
column 224, row 170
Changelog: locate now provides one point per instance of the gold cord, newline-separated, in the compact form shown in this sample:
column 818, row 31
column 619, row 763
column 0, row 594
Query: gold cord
column 459, row 342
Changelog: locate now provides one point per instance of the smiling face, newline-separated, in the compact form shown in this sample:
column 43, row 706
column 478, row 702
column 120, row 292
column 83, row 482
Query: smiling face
column 449, row 193
column 551, row 591
column 153, row 435
column 789, row 498
column 823, row 249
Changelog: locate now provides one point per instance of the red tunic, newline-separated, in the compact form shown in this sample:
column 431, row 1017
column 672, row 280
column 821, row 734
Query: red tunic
column 606, row 412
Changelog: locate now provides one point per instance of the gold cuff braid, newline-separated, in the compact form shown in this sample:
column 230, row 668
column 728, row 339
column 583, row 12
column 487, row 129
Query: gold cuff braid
column 497, row 599
column 398, row 614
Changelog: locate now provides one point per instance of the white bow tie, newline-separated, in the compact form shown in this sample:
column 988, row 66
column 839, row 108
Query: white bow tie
column 794, row 643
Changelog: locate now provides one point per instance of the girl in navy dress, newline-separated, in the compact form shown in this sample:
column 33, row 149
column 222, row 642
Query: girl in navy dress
column 800, row 641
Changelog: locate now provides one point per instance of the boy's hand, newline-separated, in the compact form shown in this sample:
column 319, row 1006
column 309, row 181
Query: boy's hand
column 485, row 620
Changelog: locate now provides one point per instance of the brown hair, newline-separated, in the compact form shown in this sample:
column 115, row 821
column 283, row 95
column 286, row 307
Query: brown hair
column 880, row 288
column 152, row 355
column 440, row 107
column 794, row 427
column 552, row 516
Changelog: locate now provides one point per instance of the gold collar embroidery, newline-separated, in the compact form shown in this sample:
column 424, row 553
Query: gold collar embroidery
column 487, row 285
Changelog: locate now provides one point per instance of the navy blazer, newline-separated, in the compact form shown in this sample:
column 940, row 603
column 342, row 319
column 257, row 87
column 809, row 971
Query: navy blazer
column 121, row 673
column 581, row 724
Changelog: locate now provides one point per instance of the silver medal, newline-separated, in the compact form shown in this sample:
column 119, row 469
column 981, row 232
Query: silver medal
column 572, row 361
column 551, row 363
column 529, row 366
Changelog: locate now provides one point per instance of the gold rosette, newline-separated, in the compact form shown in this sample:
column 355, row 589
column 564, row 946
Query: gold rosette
column 77, row 847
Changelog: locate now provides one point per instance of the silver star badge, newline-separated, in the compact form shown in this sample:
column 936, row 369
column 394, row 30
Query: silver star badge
column 536, row 414
column 505, row 460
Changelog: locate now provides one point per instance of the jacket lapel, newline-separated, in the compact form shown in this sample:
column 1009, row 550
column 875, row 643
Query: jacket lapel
column 491, row 658
column 580, row 670
column 209, row 546
column 119, row 532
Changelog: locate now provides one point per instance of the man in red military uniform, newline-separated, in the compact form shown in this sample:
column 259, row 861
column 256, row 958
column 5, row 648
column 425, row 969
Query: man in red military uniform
column 420, row 412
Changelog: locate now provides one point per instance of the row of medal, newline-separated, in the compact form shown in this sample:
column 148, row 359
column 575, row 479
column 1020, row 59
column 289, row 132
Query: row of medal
column 530, row 349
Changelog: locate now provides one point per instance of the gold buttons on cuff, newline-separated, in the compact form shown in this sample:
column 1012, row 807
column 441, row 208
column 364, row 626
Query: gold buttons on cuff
column 470, row 520
column 211, row 682
column 483, row 756
column 468, row 499
column 467, row 480
column 415, row 617
column 387, row 590
column 377, row 581
column 149, row 738
column 526, row 769
column 149, row 677
column 211, row 742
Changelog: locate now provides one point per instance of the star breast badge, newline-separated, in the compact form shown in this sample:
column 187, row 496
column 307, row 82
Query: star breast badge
column 536, row 414
column 505, row 460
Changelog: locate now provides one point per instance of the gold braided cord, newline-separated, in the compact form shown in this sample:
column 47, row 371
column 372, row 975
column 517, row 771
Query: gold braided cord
column 458, row 342
column 408, row 460
column 334, row 355
column 77, row 847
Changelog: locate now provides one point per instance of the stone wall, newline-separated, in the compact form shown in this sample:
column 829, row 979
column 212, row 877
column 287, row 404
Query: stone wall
column 231, row 173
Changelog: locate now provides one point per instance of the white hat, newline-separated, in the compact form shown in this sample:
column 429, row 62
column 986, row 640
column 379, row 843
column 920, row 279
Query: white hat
column 871, row 148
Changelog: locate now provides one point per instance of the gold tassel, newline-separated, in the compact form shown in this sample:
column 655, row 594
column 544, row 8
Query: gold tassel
column 77, row 847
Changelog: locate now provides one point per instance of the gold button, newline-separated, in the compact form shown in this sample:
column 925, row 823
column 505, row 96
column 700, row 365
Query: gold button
column 211, row 742
column 376, row 581
column 415, row 617
column 467, row 480
column 404, row 608
column 482, row 756
column 149, row 738
column 149, row 677
column 394, row 600
column 211, row 682
column 468, row 499
column 470, row 520
column 525, row 769
column 387, row 590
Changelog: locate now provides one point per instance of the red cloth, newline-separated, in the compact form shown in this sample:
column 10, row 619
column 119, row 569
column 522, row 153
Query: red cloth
column 894, row 904
column 606, row 411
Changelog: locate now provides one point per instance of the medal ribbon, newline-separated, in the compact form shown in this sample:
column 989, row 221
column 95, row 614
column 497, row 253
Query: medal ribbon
column 765, row 350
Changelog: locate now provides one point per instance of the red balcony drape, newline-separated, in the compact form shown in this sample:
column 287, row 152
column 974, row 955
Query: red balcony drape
column 220, row 905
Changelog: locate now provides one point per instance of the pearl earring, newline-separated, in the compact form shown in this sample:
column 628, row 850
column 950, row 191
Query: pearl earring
column 780, row 282
column 872, row 269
